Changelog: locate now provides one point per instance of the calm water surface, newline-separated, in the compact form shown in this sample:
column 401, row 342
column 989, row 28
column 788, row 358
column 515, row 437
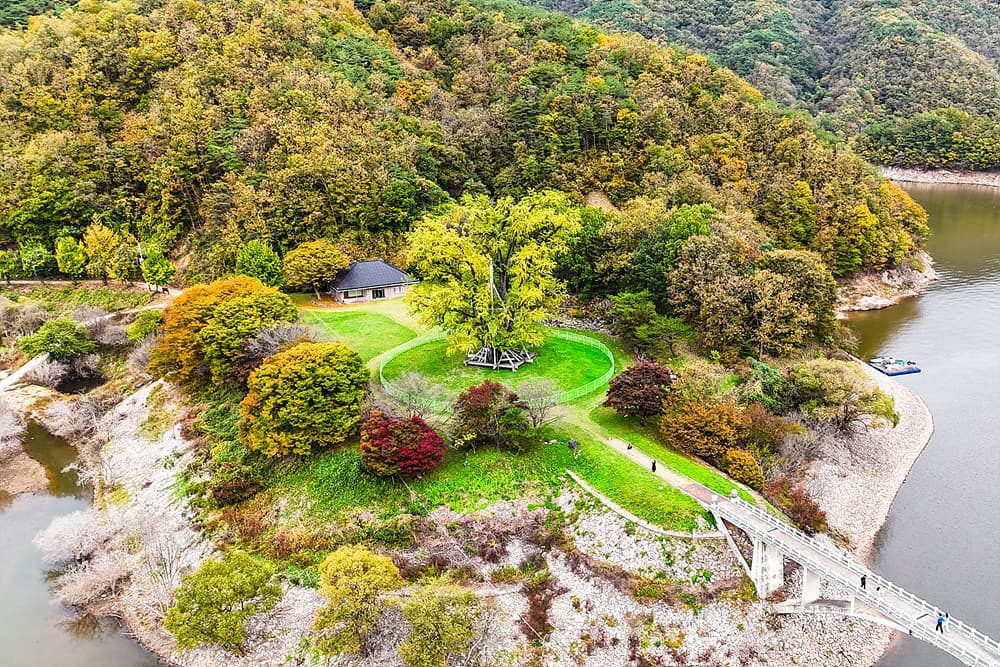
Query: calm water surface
column 34, row 630
column 942, row 538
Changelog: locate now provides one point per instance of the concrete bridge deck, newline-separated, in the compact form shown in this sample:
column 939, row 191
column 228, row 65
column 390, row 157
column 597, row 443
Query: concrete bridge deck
column 880, row 600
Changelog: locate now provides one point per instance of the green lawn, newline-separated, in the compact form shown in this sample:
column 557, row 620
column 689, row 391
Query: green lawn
column 632, row 486
column 333, row 484
column 645, row 439
column 367, row 333
column 567, row 363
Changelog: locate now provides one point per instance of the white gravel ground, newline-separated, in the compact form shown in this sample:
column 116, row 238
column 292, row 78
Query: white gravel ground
column 724, row 632
column 857, row 492
column 602, row 534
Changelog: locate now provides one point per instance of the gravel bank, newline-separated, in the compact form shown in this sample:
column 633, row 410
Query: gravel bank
column 855, row 481
column 597, row 624
column 874, row 290
column 953, row 177
column 19, row 473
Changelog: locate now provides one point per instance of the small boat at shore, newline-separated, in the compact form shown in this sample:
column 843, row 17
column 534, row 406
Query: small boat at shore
column 893, row 366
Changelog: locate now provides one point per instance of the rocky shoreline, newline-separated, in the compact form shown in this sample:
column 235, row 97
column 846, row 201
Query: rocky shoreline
column 942, row 176
column 855, row 480
column 874, row 290
column 19, row 473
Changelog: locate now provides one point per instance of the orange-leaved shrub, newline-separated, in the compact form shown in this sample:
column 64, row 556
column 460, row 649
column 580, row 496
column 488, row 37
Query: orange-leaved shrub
column 707, row 431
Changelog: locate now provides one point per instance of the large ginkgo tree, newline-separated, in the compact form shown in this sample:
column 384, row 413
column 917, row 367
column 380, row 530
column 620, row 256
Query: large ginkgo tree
column 486, row 270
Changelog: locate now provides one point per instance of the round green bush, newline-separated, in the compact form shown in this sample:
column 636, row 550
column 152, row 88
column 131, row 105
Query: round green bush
column 213, row 604
column 62, row 338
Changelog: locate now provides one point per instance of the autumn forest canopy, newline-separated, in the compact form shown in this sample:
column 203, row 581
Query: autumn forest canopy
column 916, row 82
column 207, row 124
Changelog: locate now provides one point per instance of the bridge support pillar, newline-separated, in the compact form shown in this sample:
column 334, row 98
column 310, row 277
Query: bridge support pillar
column 810, row 585
column 767, row 570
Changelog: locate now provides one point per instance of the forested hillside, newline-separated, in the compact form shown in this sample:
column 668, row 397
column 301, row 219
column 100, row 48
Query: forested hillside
column 202, row 125
column 866, row 67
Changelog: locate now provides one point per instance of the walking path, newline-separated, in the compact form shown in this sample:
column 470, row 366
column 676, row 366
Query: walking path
column 628, row 516
column 667, row 474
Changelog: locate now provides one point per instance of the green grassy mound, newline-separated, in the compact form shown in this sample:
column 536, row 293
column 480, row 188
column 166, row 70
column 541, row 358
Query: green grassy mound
column 333, row 484
column 567, row 363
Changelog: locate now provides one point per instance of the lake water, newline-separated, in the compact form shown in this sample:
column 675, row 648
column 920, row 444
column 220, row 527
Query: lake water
column 942, row 538
column 35, row 631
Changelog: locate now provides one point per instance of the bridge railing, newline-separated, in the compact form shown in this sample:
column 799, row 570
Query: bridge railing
column 921, row 632
column 848, row 561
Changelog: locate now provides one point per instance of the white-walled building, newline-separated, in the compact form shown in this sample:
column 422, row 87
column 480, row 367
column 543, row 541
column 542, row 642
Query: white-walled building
column 371, row 280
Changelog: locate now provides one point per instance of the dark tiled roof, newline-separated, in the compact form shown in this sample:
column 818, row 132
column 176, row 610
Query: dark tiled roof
column 369, row 274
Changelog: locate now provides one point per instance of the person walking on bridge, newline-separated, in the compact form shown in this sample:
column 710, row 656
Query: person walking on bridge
column 864, row 581
column 940, row 624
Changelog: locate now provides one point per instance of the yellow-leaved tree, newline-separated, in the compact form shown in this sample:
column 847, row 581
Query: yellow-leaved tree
column 487, row 268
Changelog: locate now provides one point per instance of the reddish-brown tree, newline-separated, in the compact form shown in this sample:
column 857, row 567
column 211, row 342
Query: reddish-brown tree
column 393, row 446
column 491, row 414
column 705, row 430
column 766, row 432
column 639, row 390
column 795, row 502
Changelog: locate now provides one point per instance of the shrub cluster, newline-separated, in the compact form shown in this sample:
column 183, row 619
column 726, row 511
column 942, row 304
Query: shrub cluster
column 206, row 327
column 307, row 397
column 146, row 323
column 354, row 581
column 705, row 430
column 743, row 467
column 214, row 603
column 62, row 338
column 491, row 414
column 794, row 501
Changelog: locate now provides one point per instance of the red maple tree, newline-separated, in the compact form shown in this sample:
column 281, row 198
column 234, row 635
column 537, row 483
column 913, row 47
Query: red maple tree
column 399, row 446
column 639, row 390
